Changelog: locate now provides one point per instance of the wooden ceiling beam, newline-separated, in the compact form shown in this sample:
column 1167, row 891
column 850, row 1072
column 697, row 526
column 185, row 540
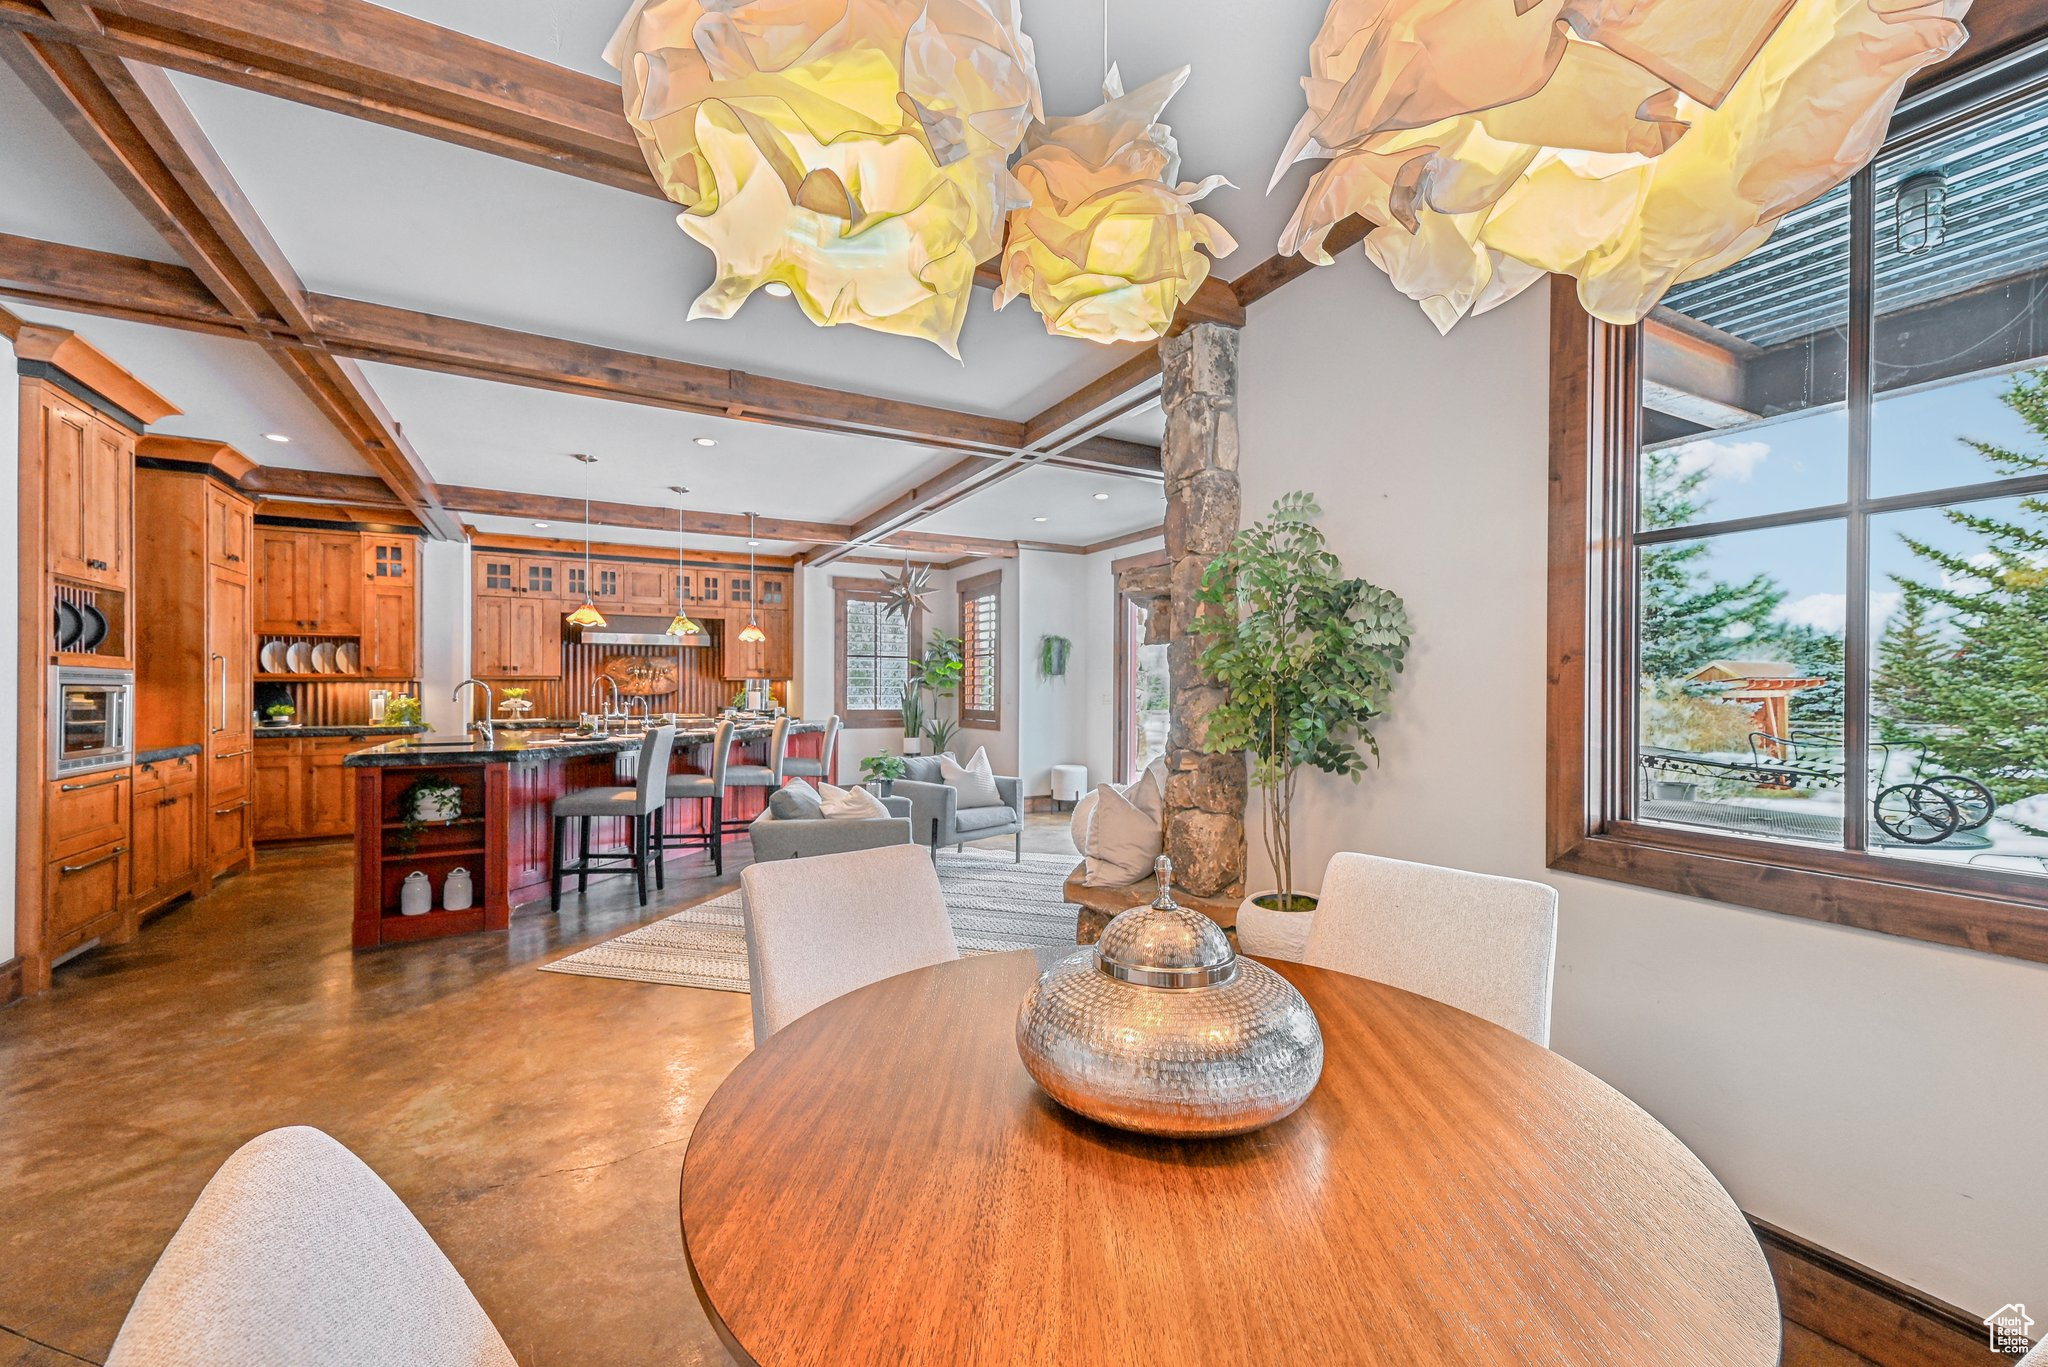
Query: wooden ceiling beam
column 137, row 129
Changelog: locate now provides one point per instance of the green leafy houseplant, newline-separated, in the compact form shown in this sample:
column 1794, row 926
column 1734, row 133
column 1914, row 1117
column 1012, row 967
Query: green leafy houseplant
column 280, row 712
column 913, row 711
column 403, row 710
column 1307, row 658
column 428, row 792
column 939, row 673
column 880, row 771
column 1053, row 652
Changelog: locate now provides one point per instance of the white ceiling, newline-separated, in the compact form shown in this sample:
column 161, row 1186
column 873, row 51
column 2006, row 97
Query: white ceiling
column 369, row 212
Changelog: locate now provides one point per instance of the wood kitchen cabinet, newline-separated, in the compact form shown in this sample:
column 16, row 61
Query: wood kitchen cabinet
column 308, row 583
column 166, row 852
column 391, row 618
column 646, row 589
column 230, row 530
column 769, row 659
column 517, row 637
column 303, row 791
column 88, row 490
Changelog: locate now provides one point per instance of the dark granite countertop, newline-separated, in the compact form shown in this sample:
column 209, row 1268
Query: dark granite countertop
column 513, row 745
column 164, row 752
column 318, row 732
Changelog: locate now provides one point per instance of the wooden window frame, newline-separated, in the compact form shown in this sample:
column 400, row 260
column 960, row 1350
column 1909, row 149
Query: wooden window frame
column 1595, row 384
column 988, row 585
column 845, row 591
column 1123, row 604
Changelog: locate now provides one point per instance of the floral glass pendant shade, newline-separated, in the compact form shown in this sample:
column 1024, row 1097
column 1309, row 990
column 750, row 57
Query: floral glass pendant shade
column 682, row 624
column 1106, row 247
column 1633, row 144
column 751, row 633
column 587, row 615
column 854, row 152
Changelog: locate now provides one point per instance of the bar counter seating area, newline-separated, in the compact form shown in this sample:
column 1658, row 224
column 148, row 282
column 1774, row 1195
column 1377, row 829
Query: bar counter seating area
column 1024, row 683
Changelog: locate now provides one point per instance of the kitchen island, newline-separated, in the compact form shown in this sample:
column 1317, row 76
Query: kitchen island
column 506, row 786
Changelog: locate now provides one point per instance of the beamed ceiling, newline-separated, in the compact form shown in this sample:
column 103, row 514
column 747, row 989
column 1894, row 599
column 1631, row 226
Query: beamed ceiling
column 418, row 240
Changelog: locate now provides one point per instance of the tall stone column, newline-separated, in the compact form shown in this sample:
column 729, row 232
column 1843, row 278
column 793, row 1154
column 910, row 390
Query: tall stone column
column 1205, row 794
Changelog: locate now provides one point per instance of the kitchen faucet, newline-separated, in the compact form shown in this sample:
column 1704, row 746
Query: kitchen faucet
column 618, row 709
column 482, row 727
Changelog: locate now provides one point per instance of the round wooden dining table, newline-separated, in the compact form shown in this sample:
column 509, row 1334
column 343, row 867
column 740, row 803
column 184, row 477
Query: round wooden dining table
column 882, row 1183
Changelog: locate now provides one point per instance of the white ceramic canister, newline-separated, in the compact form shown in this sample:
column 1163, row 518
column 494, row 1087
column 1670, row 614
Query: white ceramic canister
column 416, row 894
column 456, row 893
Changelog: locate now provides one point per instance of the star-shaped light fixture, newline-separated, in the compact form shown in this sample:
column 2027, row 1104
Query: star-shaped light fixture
column 908, row 587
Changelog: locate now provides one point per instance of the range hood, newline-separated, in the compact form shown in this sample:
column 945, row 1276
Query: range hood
column 621, row 630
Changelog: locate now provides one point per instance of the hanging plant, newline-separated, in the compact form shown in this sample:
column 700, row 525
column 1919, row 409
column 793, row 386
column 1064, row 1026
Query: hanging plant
column 1052, row 656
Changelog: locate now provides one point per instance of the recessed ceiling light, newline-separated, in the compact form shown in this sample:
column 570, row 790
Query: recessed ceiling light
column 275, row 436
column 753, row 543
column 1102, row 498
column 540, row 524
column 777, row 288
column 1038, row 519
column 705, row 441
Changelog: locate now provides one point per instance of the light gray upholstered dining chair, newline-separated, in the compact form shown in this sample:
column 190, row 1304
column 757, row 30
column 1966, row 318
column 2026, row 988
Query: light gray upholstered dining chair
column 641, row 805
column 297, row 1255
column 819, row 928
column 708, row 788
column 768, row 774
column 1483, row 944
column 819, row 769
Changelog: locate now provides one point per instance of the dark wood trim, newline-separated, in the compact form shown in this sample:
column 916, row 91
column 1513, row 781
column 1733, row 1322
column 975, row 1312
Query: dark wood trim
column 10, row 980
column 1275, row 271
column 1127, row 539
column 1594, row 406
column 619, row 550
column 64, row 352
column 91, row 398
column 988, row 585
column 846, row 589
column 1883, row 1321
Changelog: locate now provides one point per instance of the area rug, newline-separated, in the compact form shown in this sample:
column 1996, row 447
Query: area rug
column 994, row 905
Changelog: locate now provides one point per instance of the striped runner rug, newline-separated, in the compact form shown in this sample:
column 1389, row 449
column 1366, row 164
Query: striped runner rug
column 994, row 904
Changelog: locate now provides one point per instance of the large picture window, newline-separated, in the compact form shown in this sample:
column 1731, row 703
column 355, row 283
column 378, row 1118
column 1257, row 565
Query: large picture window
column 1805, row 510
column 981, row 632
column 875, row 645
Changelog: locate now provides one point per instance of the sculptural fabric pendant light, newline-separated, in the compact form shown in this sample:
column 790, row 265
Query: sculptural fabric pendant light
column 1633, row 144
column 587, row 615
column 854, row 151
column 751, row 633
column 1105, row 247
column 683, row 624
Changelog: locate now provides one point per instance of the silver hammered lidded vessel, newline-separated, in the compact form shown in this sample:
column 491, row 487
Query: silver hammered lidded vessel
column 1161, row 1028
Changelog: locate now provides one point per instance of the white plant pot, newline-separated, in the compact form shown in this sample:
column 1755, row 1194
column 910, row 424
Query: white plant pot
column 437, row 806
column 913, row 745
column 1271, row 934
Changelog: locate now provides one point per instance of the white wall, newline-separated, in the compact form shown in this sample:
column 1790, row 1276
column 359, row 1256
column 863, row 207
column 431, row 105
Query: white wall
column 10, row 646
column 444, row 633
column 1880, row 1096
column 1052, row 714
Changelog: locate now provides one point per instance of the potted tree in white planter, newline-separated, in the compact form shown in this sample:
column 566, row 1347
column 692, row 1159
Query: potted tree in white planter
column 1307, row 658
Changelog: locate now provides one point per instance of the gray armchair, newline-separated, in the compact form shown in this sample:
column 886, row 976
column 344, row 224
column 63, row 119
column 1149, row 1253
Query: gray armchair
column 776, row 837
column 937, row 819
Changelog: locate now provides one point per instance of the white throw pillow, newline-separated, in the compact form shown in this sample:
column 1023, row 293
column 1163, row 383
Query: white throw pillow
column 976, row 784
column 848, row 804
column 1147, row 797
column 1123, row 839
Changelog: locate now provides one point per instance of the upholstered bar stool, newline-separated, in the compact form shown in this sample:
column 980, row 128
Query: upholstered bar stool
column 768, row 775
column 819, row 769
column 708, row 788
column 640, row 804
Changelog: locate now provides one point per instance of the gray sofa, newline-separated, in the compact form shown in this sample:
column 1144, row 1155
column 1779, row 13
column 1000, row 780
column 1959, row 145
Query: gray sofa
column 937, row 819
column 776, row 837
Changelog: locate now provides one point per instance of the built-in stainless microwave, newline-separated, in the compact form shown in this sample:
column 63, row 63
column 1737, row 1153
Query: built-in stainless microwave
column 92, row 719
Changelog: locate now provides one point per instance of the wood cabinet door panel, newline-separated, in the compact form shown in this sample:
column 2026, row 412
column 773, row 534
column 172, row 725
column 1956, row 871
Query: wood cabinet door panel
column 390, row 560
column 230, row 667
column 230, row 531
column 88, row 811
column 81, row 890
column 230, row 769
column 228, row 833
column 540, row 576
column 645, row 588
column 278, row 803
column 390, row 630
column 177, row 838
column 497, row 574
column 329, row 794
column 66, row 431
column 332, row 581
column 278, row 608
column 109, row 492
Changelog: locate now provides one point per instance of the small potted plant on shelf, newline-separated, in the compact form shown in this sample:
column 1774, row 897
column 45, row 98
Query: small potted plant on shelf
column 279, row 714
column 881, row 772
column 1307, row 659
column 429, row 801
column 402, row 710
column 517, row 703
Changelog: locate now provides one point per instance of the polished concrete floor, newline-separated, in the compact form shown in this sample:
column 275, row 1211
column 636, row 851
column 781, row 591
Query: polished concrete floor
column 535, row 1122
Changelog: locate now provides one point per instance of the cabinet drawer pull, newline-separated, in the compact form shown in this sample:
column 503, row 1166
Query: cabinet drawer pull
column 234, row 559
column 112, row 854
column 231, row 754
column 96, row 783
column 96, row 564
column 231, row 807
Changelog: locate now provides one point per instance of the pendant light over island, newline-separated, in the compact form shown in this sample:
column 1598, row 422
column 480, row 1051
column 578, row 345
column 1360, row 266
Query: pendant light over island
column 587, row 615
column 684, row 625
